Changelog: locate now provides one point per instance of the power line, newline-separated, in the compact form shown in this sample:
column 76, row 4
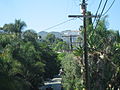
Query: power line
column 81, row 19
column 101, row 13
column 98, row 10
column 59, row 24
column 109, row 7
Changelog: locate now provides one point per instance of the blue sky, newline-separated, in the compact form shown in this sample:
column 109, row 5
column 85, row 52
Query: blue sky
column 42, row 14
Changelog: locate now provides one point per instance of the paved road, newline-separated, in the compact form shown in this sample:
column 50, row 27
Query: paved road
column 53, row 84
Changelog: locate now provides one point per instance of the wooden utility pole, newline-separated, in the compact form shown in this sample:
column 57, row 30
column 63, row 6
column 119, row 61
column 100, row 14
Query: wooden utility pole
column 84, row 7
column 85, row 48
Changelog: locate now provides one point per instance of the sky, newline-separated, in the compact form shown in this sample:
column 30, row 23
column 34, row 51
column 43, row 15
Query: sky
column 40, row 15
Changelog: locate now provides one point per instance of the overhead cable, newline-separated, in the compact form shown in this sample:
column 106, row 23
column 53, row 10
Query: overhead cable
column 109, row 7
column 59, row 24
column 98, row 10
column 101, row 13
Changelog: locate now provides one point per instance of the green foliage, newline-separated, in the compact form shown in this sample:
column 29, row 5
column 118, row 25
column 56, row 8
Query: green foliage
column 103, row 56
column 15, row 27
column 50, row 38
column 30, row 35
column 61, row 55
column 25, row 62
column 72, row 77
column 57, row 44
column 7, row 71
column 61, row 46
column 51, row 61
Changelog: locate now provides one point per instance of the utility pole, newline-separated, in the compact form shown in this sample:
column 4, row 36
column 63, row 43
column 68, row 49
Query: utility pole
column 84, row 8
column 85, row 47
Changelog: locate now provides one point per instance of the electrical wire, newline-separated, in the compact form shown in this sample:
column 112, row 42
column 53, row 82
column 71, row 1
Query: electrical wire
column 109, row 7
column 101, row 13
column 97, row 10
column 59, row 24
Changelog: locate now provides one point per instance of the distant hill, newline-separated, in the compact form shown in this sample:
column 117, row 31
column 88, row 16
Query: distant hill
column 43, row 34
column 57, row 34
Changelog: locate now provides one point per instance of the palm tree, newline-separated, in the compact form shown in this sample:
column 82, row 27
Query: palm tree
column 16, row 27
column 19, row 26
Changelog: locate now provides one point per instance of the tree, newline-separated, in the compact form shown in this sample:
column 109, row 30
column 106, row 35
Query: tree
column 57, row 44
column 25, row 62
column 16, row 27
column 30, row 35
column 72, row 77
column 61, row 46
column 101, row 50
column 50, row 38
column 8, row 69
column 51, row 61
